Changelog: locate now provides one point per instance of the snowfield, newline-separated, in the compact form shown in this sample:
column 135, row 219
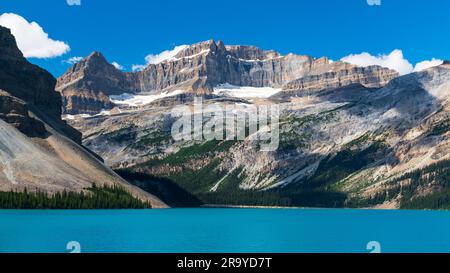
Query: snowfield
column 139, row 100
column 245, row 91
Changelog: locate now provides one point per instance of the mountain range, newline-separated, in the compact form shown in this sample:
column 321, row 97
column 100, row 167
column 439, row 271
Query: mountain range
column 350, row 136
column 197, row 69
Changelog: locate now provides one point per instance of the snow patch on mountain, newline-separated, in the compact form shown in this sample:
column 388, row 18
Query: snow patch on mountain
column 245, row 91
column 165, row 55
column 140, row 100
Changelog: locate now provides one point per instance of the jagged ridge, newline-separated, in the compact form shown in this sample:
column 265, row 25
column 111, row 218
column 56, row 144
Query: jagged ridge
column 200, row 67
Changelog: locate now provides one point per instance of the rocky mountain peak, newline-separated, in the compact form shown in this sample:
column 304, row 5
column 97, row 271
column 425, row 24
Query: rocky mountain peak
column 96, row 58
column 220, row 44
column 94, row 62
column 96, row 55
column 8, row 46
column 25, row 80
column 85, row 87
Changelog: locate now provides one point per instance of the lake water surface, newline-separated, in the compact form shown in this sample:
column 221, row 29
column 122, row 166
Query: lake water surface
column 224, row 230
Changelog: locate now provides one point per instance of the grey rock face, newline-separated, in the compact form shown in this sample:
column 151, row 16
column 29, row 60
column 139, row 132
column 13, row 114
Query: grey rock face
column 25, row 80
column 85, row 87
column 31, row 85
column 371, row 77
column 15, row 112
column 200, row 67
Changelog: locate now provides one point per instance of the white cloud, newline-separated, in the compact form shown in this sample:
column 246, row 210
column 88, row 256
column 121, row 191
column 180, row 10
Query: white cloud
column 159, row 58
column 73, row 60
column 137, row 67
column 395, row 60
column 117, row 65
column 74, row 2
column 31, row 39
column 427, row 64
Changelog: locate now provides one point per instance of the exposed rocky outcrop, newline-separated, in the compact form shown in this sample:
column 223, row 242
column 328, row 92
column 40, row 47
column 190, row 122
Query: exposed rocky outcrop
column 200, row 67
column 18, row 77
column 371, row 77
column 32, row 85
column 15, row 112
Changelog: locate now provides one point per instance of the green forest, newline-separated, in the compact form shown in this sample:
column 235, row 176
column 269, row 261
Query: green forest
column 105, row 197
column 436, row 176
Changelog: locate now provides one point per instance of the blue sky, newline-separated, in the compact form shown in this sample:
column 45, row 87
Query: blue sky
column 127, row 31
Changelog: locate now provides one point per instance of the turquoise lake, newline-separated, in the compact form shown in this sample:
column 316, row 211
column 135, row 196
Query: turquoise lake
column 224, row 230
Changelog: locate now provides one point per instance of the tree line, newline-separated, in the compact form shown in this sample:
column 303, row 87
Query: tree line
column 105, row 197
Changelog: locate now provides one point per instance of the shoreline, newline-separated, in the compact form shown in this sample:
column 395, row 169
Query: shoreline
column 218, row 206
